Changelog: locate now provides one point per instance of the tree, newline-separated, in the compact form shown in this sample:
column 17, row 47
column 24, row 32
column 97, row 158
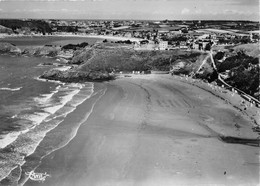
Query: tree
column 208, row 47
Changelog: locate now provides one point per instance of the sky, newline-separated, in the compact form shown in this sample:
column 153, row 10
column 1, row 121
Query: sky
column 132, row 9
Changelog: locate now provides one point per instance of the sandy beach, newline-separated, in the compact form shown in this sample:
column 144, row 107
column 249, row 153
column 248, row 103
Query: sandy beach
column 156, row 130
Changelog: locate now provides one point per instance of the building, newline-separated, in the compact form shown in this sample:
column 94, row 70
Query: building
column 163, row 45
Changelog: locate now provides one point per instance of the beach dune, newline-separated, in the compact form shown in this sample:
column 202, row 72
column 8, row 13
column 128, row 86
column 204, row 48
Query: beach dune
column 155, row 130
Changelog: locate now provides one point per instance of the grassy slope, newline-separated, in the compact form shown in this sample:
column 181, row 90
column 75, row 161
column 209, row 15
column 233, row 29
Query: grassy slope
column 121, row 59
column 251, row 49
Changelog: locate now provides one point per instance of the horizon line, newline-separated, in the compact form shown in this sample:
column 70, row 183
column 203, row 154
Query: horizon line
column 110, row 19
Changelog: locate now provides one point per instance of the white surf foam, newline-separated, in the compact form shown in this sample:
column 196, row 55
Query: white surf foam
column 73, row 132
column 64, row 68
column 10, row 137
column 44, row 98
column 36, row 117
column 25, row 143
column 75, row 128
column 63, row 100
column 52, row 81
column 11, row 89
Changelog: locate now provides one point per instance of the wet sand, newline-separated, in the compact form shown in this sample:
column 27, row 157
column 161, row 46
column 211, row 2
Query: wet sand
column 157, row 130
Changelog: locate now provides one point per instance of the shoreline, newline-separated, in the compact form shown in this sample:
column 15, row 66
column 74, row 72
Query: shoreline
column 237, row 132
column 228, row 96
column 127, row 138
column 49, row 144
column 76, row 36
column 72, row 134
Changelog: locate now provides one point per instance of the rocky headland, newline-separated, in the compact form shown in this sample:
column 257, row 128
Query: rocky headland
column 74, row 75
column 102, row 61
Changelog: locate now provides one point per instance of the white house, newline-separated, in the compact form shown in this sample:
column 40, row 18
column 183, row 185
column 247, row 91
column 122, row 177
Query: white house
column 163, row 45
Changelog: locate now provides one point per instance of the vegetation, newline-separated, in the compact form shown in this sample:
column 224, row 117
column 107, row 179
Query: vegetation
column 75, row 47
column 243, row 72
column 81, row 56
column 241, row 69
column 219, row 55
column 33, row 25
column 251, row 49
column 241, row 59
column 124, row 42
column 119, row 59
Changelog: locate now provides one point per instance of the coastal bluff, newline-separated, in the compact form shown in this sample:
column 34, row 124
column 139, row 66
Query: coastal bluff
column 101, row 61
column 76, row 76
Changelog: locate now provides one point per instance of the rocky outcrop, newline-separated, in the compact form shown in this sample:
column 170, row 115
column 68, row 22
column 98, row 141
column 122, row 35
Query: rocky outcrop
column 82, row 56
column 7, row 48
column 44, row 51
column 5, row 30
column 41, row 51
column 76, row 76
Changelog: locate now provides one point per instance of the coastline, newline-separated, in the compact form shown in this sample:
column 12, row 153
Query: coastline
column 169, row 98
column 57, row 132
column 79, row 107
column 143, row 128
column 229, row 97
column 66, row 131
column 76, row 36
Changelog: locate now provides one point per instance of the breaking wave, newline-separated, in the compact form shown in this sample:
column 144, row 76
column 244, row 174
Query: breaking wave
column 11, row 89
column 46, row 112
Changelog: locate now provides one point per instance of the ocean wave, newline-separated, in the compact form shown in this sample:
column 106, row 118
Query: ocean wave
column 51, row 81
column 10, row 137
column 72, row 133
column 51, row 109
column 11, row 89
column 49, row 104
column 36, row 118
column 44, row 98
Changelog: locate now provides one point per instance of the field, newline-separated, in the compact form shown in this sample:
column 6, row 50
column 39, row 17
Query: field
column 222, row 31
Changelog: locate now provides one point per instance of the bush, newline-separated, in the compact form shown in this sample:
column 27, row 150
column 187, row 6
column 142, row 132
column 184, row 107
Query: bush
column 244, row 72
column 219, row 55
column 74, row 47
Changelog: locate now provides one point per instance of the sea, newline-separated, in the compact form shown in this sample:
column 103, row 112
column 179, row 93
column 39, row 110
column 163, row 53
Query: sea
column 22, row 42
column 30, row 108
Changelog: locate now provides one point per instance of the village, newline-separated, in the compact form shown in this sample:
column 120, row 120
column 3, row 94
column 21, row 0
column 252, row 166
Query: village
column 166, row 35
column 152, row 35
